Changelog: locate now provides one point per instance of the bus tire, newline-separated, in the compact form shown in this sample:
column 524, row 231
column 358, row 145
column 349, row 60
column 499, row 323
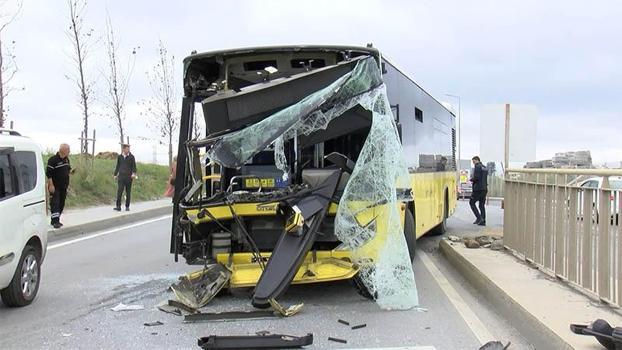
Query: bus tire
column 410, row 234
column 442, row 227
column 411, row 243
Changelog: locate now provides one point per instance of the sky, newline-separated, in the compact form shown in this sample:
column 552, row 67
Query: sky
column 561, row 56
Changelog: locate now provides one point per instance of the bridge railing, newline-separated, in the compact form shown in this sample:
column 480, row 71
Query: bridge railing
column 568, row 222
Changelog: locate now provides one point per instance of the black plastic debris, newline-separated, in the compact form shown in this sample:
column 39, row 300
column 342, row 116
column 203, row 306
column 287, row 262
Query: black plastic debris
column 337, row 340
column 607, row 336
column 230, row 316
column 272, row 341
column 343, row 322
column 359, row 326
column 151, row 324
column 495, row 345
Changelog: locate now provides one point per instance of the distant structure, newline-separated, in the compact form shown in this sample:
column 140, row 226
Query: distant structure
column 565, row 160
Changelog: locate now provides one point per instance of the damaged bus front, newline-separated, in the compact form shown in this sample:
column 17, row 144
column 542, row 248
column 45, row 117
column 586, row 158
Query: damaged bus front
column 300, row 176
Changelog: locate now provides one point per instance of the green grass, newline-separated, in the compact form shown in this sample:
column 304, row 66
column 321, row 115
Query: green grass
column 92, row 184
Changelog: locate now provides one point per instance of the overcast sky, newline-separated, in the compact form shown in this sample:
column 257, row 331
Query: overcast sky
column 562, row 56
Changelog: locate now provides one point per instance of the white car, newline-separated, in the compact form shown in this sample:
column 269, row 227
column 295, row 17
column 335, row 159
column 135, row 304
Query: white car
column 23, row 218
column 595, row 183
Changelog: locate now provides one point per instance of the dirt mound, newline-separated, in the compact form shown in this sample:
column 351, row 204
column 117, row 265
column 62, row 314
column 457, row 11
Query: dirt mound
column 107, row 155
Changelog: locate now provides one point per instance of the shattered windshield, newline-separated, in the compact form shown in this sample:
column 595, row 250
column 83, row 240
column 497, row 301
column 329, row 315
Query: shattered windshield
column 368, row 220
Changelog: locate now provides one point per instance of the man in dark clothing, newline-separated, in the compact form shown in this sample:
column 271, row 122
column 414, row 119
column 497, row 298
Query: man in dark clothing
column 124, row 173
column 57, row 173
column 480, row 189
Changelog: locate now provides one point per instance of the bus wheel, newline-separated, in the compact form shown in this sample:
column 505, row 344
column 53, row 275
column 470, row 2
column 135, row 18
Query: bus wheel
column 442, row 227
column 411, row 243
column 410, row 234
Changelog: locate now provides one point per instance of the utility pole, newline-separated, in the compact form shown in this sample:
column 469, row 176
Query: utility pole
column 507, row 139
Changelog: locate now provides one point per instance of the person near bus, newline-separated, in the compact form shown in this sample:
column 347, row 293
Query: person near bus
column 480, row 189
column 57, row 172
column 124, row 173
column 170, row 184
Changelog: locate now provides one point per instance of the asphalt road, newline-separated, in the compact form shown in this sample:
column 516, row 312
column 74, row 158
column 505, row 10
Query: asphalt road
column 83, row 279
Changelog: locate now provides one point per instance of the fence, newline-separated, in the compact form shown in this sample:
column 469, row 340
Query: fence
column 567, row 222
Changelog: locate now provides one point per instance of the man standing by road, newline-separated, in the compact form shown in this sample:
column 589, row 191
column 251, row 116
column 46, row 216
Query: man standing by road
column 57, row 173
column 480, row 189
column 124, row 173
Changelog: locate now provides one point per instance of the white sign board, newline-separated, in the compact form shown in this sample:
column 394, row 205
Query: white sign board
column 523, row 131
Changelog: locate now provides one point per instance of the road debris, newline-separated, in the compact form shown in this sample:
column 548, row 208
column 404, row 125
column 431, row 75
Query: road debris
column 182, row 306
column 230, row 316
column 263, row 333
column 67, row 334
column 198, row 288
column 343, row 322
column 359, row 326
column 123, row 307
column 495, row 345
column 497, row 245
column 454, row 238
column 607, row 336
column 471, row 243
column 272, row 341
column 337, row 340
column 152, row 324
column 483, row 240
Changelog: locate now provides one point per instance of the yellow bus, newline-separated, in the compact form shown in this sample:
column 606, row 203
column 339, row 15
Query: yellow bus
column 284, row 129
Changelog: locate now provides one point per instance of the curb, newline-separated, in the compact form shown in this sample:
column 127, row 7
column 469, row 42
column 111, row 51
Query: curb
column 536, row 332
column 98, row 225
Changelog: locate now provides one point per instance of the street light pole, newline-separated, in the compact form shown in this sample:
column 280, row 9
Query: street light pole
column 459, row 129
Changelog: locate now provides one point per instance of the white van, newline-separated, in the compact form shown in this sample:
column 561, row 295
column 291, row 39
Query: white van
column 23, row 218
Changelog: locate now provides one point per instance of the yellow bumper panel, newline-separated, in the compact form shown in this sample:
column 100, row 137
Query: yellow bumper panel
column 326, row 266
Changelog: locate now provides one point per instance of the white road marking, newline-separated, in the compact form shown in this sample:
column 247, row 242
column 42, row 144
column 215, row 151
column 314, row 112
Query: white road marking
column 468, row 315
column 399, row 348
column 103, row 233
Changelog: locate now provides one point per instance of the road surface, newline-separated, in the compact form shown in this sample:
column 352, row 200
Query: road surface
column 84, row 278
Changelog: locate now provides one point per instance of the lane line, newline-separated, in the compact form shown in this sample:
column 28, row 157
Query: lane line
column 468, row 315
column 121, row 228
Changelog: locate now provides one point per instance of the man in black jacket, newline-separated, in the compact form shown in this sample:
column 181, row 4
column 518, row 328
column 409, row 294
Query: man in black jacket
column 124, row 173
column 57, row 172
column 480, row 189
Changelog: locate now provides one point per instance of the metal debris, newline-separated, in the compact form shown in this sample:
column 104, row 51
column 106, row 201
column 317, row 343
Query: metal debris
column 343, row 322
column 359, row 326
column 230, row 316
column 272, row 341
column 337, row 340
column 152, row 324
column 197, row 289
column 123, row 307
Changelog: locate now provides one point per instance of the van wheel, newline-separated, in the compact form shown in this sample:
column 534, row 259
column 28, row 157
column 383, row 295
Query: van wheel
column 411, row 243
column 442, row 227
column 25, row 283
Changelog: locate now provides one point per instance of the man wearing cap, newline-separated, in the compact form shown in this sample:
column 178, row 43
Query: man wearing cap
column 124, row 173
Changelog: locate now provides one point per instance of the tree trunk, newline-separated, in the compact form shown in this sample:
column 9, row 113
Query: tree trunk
column 170, row 148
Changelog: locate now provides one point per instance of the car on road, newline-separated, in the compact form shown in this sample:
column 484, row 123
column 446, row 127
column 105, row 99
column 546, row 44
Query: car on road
column 23, row 229
column 595, row 184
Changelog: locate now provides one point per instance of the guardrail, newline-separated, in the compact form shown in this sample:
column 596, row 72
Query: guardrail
column 556, row 221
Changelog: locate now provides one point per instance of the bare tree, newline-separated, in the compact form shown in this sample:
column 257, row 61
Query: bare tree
column 8, row 65
column 162, row 107
column 82, row 40
column 117, row 78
